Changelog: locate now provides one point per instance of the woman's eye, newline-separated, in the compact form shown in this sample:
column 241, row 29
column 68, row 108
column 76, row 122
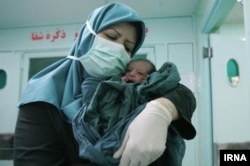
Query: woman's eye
column 111, row 37
column 128, row 49
column 114, row 37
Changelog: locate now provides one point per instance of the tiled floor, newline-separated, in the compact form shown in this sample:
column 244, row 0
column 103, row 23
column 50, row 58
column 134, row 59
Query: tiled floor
column 6, row 149
column 6, row 163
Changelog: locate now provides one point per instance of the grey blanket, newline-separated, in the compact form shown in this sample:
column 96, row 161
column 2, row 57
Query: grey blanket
column 109, row 107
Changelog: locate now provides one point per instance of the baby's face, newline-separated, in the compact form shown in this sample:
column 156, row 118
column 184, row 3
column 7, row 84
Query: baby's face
column 137, row 72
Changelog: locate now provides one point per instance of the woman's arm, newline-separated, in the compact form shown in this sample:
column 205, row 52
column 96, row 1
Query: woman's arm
column 169, row 106
column 147, row 134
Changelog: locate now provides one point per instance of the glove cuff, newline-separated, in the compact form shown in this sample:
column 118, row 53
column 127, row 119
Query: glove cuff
column 163, row 111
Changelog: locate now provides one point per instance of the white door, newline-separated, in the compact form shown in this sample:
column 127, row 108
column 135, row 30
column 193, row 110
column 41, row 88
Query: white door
column 10, row 69
column 230, row 103
column 34, row 62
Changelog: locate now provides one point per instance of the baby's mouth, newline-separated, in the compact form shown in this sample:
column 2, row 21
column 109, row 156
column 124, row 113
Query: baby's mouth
column 130, row 81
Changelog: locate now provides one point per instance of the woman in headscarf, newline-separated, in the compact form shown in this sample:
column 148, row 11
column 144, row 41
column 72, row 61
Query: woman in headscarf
column 112, row 34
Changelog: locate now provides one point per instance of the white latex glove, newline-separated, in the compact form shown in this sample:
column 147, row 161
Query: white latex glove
column 146, row 136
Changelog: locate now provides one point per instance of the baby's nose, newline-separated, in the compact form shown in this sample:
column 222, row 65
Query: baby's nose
column 132, row 73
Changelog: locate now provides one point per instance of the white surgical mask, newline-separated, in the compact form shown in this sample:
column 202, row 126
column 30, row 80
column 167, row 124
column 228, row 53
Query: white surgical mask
column 105, row 58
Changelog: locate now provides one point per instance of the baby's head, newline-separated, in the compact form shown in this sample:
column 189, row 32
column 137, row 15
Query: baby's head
column 137, row 70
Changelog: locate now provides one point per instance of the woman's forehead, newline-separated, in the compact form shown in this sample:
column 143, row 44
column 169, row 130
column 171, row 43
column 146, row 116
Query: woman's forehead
column 124, row 29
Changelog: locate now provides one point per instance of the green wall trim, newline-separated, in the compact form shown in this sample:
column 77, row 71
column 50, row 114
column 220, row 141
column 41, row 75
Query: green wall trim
column 217, row 13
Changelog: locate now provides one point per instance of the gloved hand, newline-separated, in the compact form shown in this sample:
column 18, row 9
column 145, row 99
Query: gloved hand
column 146, row 136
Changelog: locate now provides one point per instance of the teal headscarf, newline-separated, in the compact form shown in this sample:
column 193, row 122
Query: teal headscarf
column 103, row 17
column 60, row 83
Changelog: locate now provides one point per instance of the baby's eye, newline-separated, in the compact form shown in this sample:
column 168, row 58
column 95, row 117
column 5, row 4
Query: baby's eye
column 142, row 74
column 128, row 70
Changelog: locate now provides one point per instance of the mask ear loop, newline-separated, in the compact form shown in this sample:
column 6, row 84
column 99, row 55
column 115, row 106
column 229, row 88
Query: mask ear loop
column 91, row 31
column 90, row 28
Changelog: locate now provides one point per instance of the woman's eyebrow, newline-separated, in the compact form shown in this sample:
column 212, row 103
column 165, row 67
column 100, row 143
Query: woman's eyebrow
column 116, row 31
column 128, row 40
